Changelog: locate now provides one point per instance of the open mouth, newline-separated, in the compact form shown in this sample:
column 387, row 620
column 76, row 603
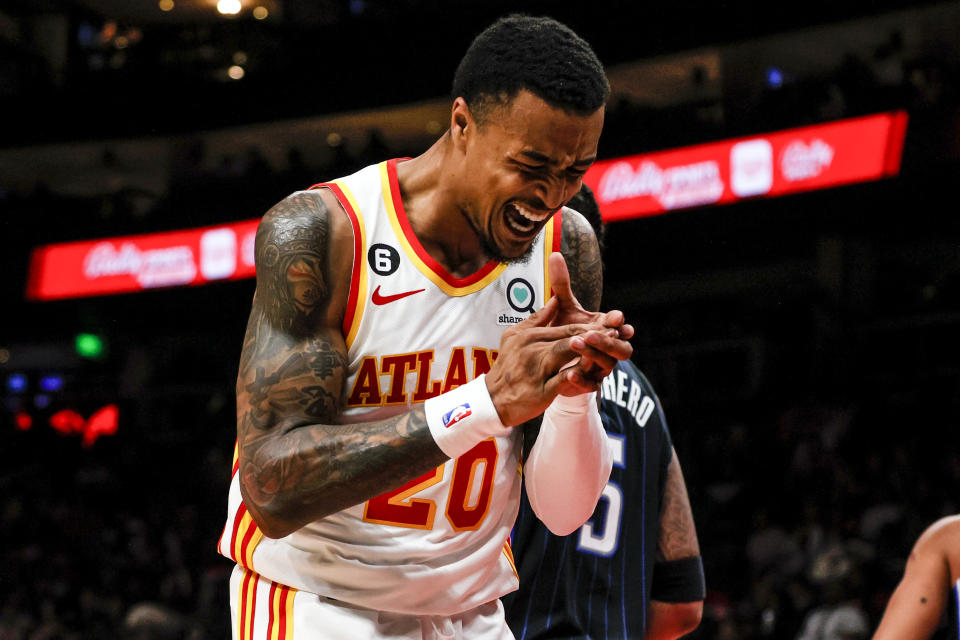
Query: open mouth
column 523, row 221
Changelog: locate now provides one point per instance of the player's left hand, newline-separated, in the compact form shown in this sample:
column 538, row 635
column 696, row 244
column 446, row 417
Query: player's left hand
column 599, row 351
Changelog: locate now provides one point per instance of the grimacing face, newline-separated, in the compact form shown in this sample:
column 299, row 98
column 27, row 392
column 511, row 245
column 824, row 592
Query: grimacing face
column 523, row 163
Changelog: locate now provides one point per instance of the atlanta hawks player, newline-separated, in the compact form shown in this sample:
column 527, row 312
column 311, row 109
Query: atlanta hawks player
column 400, row 338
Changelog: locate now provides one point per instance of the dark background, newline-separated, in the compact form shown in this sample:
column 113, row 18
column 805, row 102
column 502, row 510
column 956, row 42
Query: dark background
column 804, row 348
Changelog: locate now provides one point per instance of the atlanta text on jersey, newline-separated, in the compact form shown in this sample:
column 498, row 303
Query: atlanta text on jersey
column 369, row 388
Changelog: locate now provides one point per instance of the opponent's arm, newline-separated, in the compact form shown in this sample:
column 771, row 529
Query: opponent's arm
column 678, row 590
column 296, row 464
column 917, row 604
column 678, row 535
column 671, row 620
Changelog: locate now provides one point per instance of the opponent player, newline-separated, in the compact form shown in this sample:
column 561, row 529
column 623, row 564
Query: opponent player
column 393, row 357
column 930, row 586
column 634, row 568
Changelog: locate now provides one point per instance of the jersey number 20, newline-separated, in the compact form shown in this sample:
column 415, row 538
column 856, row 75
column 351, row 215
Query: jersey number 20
column 464, row 511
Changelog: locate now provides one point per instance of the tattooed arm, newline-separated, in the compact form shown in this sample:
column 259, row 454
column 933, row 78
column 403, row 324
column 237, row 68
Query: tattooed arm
column 579, row 247
column 678, row 535
column 677, row 541
column 296, row 463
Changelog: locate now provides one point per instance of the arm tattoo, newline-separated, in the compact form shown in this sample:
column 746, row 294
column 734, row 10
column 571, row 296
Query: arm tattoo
column 678, row 536
column 579, row 248
column 296, row 463
column 290, row 249
column 317, row 470
column 297, row 387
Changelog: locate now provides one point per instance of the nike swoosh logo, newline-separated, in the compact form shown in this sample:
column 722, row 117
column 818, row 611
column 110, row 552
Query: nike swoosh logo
column 379, row 299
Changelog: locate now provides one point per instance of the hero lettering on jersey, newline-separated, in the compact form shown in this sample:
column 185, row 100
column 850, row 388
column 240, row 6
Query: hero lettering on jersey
column 382, row 380
column 615, row 389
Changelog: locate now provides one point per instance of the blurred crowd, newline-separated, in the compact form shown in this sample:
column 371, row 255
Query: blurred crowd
column 116, row 541
column 805, row 518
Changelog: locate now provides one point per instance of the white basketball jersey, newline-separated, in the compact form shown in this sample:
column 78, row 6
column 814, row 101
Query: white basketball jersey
column 439, row 544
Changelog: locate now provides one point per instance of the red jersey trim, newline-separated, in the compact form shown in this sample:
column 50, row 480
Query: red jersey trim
column 557, row 229
column 247, row 610
column 355, row 280
column 414, row 242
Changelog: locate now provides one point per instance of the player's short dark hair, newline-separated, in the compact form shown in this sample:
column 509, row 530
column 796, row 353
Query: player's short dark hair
column 585, row 202
column 538, row 54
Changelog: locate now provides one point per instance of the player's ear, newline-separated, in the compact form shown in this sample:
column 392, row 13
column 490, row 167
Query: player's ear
column 462, row 123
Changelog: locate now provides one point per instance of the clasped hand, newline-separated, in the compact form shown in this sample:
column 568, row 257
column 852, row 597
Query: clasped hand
column 562, row 349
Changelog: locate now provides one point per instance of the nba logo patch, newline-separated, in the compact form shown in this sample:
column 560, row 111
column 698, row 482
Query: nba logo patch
column 456, row 414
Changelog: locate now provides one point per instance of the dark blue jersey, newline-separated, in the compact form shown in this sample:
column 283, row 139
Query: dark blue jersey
column 595, row 583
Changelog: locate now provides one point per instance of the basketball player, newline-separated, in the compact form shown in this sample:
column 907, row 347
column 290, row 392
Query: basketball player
column 400, row 342
column 930, row 586
column 634, row 568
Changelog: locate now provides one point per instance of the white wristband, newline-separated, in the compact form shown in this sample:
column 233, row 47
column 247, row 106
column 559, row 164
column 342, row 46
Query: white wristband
column 462, row 418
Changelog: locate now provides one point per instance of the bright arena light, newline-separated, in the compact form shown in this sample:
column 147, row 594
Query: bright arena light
column 260, row 13
column 235, row 72
column 166, row 5
column 229, row 7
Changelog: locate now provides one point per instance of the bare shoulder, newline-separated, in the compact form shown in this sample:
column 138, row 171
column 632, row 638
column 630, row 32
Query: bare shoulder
column 939, row 546
column 940, row 537
column 302, row 218
column 580, row 249
column 302, row 266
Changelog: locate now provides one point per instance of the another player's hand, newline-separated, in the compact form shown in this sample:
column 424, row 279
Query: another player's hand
column 533, row 363
column 598, row 350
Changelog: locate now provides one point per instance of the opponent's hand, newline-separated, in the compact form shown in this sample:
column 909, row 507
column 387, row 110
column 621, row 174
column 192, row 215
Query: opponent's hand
column 527, row 374
column 598, row 351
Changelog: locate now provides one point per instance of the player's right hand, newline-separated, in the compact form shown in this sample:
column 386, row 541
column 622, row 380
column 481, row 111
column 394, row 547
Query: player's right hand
column 598, row 351
column 535, row 364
